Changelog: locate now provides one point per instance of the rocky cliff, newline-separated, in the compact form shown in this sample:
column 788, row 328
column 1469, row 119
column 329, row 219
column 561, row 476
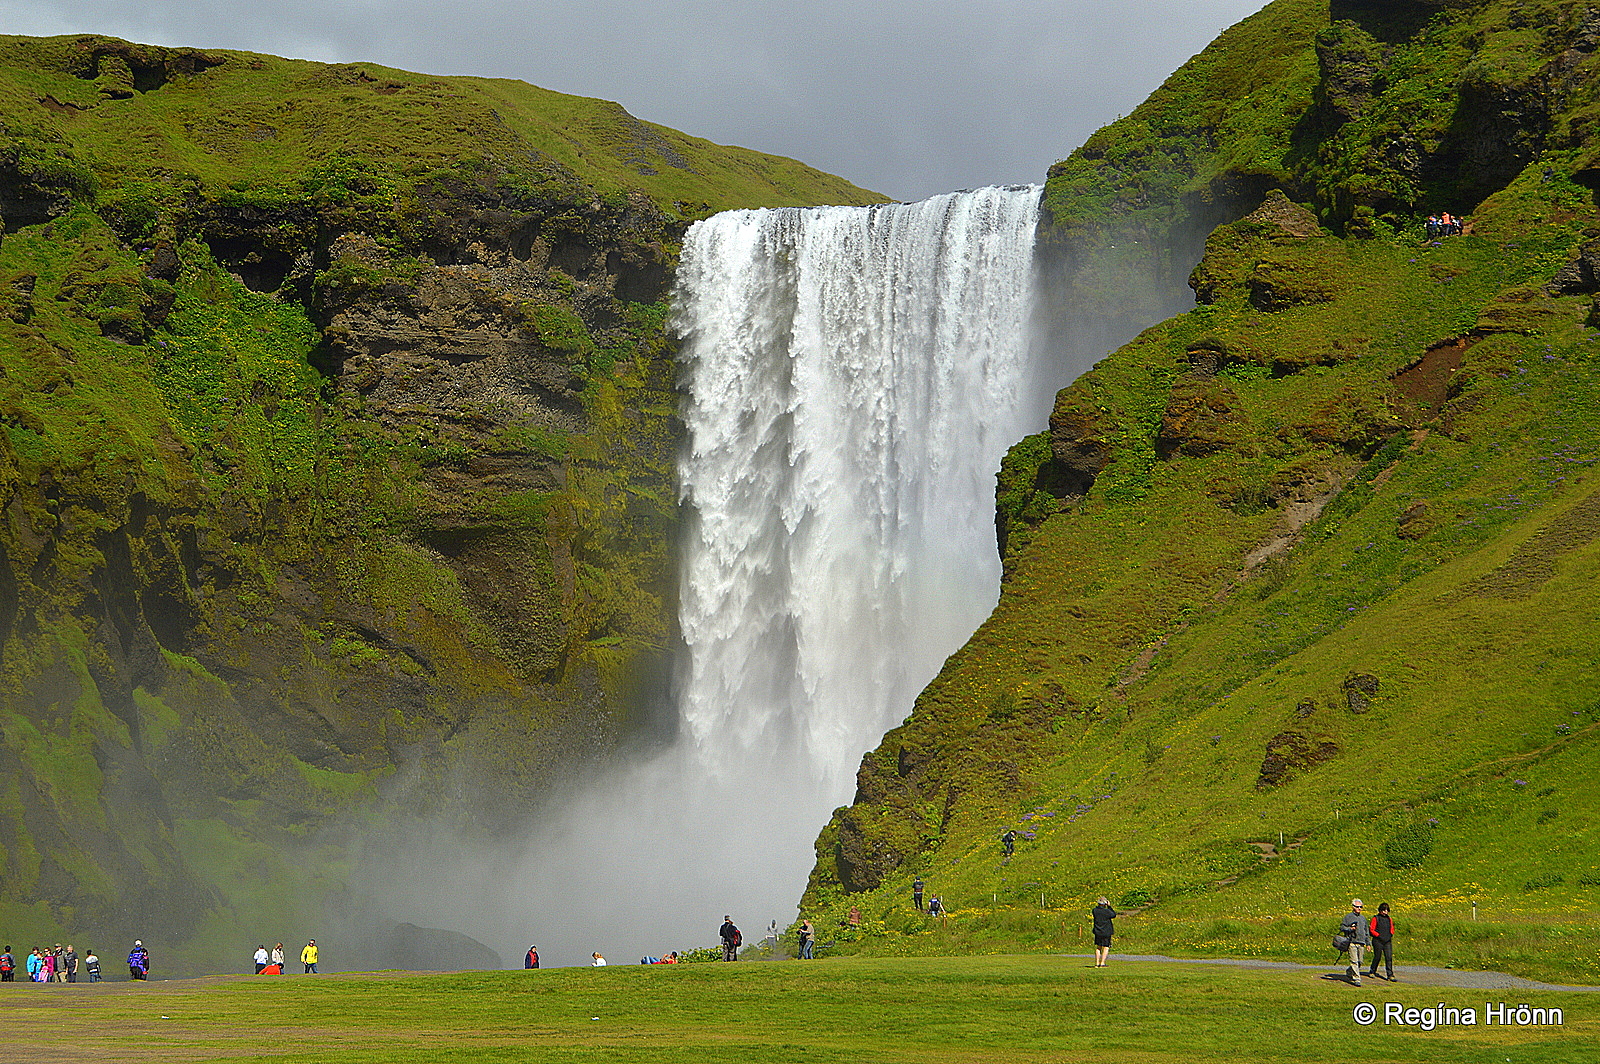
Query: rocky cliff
column 337, row 467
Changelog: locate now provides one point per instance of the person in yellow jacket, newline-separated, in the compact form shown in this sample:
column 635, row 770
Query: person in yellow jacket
column 308, row 957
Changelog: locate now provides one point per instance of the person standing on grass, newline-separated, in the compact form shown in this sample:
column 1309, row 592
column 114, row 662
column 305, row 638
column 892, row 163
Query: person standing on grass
column 277, row 957
column 916, row 893
column 262, row 957
column 70, row 960
column 731, row 939
column 532, row 959
column 308, row 957
column 808, row 935
column 8, row 967
column 138, row 961
column 1103, row 915
column 1381, row 928
column 1354, row 927
column 91, row 964
column 35, row 966
column 1008, row 842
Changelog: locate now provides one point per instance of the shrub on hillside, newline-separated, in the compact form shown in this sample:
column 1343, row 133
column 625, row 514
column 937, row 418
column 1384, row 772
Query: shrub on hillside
column 1409, row 846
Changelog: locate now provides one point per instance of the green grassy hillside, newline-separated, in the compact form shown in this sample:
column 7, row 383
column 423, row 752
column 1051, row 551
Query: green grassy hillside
column 1299, row 600
column 339, row 422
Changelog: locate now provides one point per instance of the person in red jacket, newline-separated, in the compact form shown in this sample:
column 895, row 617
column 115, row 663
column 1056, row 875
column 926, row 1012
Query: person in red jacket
column 1382, row 929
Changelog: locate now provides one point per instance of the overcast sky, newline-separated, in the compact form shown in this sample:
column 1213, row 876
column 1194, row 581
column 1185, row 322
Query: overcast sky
column 904, row 97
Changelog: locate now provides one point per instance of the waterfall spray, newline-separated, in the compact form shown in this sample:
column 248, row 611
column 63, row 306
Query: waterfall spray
column 853, row 378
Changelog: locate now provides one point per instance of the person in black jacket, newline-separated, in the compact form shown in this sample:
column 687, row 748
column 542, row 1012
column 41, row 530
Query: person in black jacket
column 1382, row 930
column 1103, row 915
column 731, row 939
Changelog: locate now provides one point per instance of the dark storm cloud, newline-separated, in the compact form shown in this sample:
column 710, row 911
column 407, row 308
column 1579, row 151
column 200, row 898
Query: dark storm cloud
column 908, row 98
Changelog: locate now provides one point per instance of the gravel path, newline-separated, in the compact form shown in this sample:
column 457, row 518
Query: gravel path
column 1405, row 974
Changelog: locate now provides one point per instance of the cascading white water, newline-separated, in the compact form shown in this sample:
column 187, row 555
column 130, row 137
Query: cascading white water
column 854, row 376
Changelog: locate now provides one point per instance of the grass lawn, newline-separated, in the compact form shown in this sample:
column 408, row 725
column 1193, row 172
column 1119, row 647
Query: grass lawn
column 848, row 1010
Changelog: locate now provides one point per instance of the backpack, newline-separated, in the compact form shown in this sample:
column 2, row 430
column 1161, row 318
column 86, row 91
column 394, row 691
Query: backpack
column 738, row 938
column 6, row 963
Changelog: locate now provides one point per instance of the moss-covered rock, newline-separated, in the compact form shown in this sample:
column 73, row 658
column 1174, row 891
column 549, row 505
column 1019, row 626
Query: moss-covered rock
column 336, row 478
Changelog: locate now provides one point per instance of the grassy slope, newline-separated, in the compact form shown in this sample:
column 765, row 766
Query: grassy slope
column 256, row 120
column 1119, row 704
column 949, row 1009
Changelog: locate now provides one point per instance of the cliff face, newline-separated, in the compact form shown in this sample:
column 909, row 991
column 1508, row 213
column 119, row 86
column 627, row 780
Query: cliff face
column 1294, row 560
column 340, row 422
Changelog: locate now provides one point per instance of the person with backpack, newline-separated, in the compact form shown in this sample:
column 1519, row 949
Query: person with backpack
column 8, row 967
column 1008, row 842
column 1382, row 929
column 731, row 939
column 139, row 961
column 1354, row 928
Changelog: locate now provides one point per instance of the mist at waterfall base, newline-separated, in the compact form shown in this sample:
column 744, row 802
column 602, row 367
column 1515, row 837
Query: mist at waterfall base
column 853, row 377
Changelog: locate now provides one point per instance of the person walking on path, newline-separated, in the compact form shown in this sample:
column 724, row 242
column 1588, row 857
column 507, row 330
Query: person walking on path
column 1381, row 928
column 531, row 961
column 731, row 939
column 916, row 893
column 1354, row 927
column 138, row 961
column 1103, row 915
column 91, row 964
column 308, row 957
column 808, row 936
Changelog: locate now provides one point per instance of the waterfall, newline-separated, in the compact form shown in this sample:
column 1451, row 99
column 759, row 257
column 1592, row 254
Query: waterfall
column 853, row 378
